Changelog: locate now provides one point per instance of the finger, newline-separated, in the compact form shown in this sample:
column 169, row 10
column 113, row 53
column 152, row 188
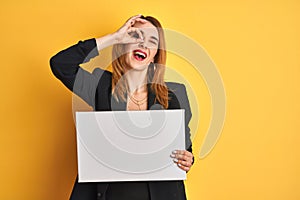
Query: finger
column 131, row 20
column 136, row 33
column 187, row 153
column 134, row 17
column 183, row 167
column 178, row 152
column 182, row 155
column 140, row 34
column 184, row 163
column 141, row 20
column 183, row 152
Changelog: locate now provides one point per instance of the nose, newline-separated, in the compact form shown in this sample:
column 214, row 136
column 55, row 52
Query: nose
column 142, row 45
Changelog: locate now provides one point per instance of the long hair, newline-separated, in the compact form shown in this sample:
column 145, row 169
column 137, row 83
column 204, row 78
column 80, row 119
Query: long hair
column 155, row 73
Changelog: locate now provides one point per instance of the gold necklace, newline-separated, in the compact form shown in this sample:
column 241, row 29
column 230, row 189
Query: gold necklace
column 137, row 101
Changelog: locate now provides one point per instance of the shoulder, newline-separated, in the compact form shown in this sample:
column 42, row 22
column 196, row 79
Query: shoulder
column 178, row 98
column 177, row 95
column 177, row 89
column 175, row 86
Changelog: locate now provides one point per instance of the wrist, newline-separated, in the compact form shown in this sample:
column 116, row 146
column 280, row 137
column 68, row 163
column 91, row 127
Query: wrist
column 115, row 39
column 105, row 41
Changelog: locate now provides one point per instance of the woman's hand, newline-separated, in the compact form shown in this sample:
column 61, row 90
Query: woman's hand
column 129, row 34
column 125, row 35
column 183, row 159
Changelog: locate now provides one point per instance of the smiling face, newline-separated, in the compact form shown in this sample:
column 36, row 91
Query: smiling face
column 139, row 56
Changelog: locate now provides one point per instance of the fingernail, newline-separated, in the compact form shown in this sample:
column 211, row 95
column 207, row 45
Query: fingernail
column 172, row 156
column 179, row 164
column 174, row 152
column 175, row 160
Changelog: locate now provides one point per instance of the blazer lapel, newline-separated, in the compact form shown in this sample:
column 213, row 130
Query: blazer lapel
column 118, row 106
column 151, row 97
column 152, row 103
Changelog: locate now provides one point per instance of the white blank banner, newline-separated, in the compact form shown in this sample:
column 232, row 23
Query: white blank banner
column 129, row 145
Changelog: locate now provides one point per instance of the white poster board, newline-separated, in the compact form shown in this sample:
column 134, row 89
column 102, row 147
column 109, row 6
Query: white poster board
column 129, row 145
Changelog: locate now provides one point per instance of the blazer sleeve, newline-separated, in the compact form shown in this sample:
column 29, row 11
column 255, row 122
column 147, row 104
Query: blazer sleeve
column 65, row 66
column 181, row 101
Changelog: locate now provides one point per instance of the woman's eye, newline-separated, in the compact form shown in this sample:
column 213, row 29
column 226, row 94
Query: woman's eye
column 153, row 42
column 134, row 34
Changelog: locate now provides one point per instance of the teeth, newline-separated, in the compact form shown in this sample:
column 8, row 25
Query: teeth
column 140, row 54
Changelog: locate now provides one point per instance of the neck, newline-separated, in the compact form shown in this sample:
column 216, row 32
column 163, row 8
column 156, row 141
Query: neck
column 137, row 80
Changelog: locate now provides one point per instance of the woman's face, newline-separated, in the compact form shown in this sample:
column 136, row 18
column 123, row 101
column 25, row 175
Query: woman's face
column 140, row 55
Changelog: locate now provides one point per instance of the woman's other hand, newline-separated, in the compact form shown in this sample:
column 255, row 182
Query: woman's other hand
column 183, row 158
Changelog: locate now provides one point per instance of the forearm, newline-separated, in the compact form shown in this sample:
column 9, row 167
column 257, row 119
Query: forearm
column 106, row 41
column 65, row 64
column 67, row 61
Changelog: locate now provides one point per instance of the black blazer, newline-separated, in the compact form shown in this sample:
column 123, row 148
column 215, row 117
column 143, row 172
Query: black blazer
column 95, row 89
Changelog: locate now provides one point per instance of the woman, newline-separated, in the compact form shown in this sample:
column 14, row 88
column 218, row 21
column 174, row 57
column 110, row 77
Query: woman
column 136, row 83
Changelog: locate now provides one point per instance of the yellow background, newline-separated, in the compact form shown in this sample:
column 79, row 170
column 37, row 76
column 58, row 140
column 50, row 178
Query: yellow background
column 255, row 44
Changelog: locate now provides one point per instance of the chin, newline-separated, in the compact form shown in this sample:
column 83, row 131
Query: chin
column 136, row 64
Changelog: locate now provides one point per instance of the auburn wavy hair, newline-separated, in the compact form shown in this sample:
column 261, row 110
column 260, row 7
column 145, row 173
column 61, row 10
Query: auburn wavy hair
column 155, row 73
